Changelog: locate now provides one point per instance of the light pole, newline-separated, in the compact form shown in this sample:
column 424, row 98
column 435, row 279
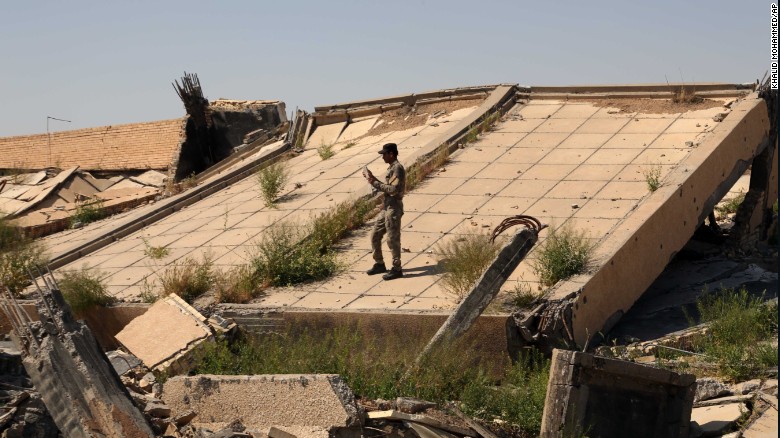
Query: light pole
column 48, row 136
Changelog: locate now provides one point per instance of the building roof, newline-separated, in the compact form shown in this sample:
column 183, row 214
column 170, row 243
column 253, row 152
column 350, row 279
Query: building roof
column 136, row 146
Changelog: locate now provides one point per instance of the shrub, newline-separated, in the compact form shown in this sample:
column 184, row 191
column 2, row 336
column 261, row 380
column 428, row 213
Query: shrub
column 522, row 295
column 652, row 177
column 272, row 180
column 83, row 290
column 464, row 259
column 741, row 328
column 236, row 285
column 325, row 151
column 18, row 255
column 187, row 278
column 564, row 253
column 284, row 257
column 328, row 227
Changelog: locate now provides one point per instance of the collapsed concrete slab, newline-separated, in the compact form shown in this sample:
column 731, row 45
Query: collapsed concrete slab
column 317, row 402
column 165, row 337
column 596, row 396
column 79, row 386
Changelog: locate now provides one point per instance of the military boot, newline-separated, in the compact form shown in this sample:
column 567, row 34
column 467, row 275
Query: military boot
column 378, row 268
column 393, row 274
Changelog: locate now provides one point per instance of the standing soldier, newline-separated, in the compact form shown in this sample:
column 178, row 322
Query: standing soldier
column 389, row 219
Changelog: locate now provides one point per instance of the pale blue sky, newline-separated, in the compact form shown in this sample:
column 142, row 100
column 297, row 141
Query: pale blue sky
column 105, row 62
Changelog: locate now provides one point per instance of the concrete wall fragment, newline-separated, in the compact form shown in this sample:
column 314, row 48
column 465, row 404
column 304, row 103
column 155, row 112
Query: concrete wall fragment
column 79, row 386
column 595, row 396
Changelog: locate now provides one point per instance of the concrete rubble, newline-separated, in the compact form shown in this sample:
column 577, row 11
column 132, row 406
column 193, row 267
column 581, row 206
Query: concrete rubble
column 168, row 334
column 77, row 383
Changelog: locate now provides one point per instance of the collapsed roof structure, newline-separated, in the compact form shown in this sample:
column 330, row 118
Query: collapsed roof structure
column 569, row 156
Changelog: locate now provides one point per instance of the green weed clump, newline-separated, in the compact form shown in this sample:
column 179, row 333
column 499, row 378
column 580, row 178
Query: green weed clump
column 564, row 253
column 464, row 260
column 272, row 180
column 652, row 177
column 18, row 254
column 741, row 329
column 87, row 212
column 289, row 254
column 188, row 278
column 84, row 289
column 377, row 371
column 238, row 284
column 417, row 172
column 326, row 151
column 284, row 257
column 730, row 205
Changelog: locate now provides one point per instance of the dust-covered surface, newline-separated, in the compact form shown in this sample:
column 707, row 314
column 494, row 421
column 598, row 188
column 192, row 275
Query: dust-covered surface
column 410, row 117
column 656, row 106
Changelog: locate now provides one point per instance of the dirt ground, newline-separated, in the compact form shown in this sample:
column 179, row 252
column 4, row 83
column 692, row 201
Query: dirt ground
column 410, row 117
column 656, row 106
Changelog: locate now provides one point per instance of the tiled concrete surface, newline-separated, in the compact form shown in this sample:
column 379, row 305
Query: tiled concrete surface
column 224, row 226
column 562, row 162
column 542, row 160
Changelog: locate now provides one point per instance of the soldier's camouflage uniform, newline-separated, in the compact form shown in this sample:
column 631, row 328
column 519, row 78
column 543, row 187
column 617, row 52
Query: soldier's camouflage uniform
column 389, row 219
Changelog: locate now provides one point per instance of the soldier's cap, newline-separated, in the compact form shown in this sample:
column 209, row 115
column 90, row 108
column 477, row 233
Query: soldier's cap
column 389, row 147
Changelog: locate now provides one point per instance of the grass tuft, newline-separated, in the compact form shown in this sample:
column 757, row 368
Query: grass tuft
column 652, row 177
column 271, row 180
column 522, row 295
column 564, row 253
column 187, row 278
column 87, row 212
column 155, row 252
column 741, row 328
column 730, row 205
column 84, row 289
column 326, row 151
column 464, row 260
column 236, row 285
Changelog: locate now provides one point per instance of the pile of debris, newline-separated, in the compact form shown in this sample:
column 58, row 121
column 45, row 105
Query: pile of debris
column 49, row 201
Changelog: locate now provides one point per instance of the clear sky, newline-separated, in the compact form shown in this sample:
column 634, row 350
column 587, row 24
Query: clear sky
column 107, row 62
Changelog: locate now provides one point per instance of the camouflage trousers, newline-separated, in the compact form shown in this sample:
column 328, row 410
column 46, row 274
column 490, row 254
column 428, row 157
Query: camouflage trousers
column 388, row 221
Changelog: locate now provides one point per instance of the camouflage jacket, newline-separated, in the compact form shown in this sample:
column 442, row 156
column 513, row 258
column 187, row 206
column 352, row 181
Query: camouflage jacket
column 394, row 187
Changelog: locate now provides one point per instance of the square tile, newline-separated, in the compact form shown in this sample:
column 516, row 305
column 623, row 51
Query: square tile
column 521, row 126
column 691, row 125
column 459, row 204
column 662, row 156
column 624, row 190
column 523, row 188
column 593, row 172
column 507, row 171
column 505, row 206
column 556, row 124
column 526, row 155
column 601, row 126
column 462, row 169
column 542, row 139
column 538, row 110
column 436, row 223
column 554, row 207
column 548, row 171
column 646, row 126
column 421, row 202
column 584, row 141
column 613, row 156
column 566, row 156
column 375, row 302
column 477, row 153
column 630, row 141
column 481, row 187
column 576, row 111
column 575, row 190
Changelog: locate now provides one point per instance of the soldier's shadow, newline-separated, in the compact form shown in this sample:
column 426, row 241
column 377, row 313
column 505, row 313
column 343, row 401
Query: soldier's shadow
column 423, row 270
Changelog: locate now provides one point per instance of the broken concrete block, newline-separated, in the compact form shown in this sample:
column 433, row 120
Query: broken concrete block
column 122, row 362
column 320, row 401
column 184, row 418
column 410, row 405
column 165, row 337
column 708, row 387
column 746, row 387
column 157, row 409
column 764, row 426
column 598, row 396
column 717, row 420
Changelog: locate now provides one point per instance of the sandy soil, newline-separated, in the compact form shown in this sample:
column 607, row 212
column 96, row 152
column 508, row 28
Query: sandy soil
column 410, row 117
column 656, row 106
